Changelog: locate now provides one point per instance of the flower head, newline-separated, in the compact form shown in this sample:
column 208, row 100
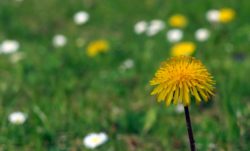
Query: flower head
column 174, row 35
column 94, row 140
column 202, row 34
column 17, row 118
column 178, row 20
column 226, row 15
column 127, row 64
column 183, row 48
column 81, row 17
column 97, row 47
column 9, row 46
column 179, row 108
column 213, row 16
column 59, row 40
column 155, row 27
column 140, row 27
column 180, row 77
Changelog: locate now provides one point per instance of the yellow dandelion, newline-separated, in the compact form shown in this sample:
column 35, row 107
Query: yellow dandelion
column 183, row 48
column 178, row 20
column 180, row 77
column 226, row 15
column 96, row 47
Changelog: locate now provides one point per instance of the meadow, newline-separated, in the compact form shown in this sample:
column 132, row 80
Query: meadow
column 67, row 94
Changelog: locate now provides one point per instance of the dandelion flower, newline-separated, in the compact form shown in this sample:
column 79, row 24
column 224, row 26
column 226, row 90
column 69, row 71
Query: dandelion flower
column 81, row 17
column 183, row 48
column 94, row 140
column 180, row 77
column 17, row 118
column 59, row 40
column 213, row 16
column 140, row 27
column 97, row 47
column 202, row 34
column 226, row 15
column 155, row 27
column 9, row 46
column 174, row 35
column 178, row 20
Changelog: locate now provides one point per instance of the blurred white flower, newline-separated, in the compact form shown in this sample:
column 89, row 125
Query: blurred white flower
column 179, row 108
column 140, row 27
column 17, row 118
column 9, row 46
column 202, row 34
column 154, row 27
column 94, row 140
column 59, row 40
column 127, row 64
column 174, row 35
column 81, row 17
column 213, row 15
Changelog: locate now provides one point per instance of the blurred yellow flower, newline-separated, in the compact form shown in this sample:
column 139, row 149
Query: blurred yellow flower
column 96, row 47
column 183, row 48
column 180, row 77
column 226, row 15
column 178, row 20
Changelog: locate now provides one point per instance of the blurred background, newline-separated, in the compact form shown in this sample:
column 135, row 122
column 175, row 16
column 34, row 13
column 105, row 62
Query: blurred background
column 76, row 67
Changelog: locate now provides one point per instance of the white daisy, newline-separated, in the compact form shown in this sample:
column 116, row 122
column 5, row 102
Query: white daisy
column 9, row 46
column 213, row 15
column 94, row 140
column 174, row 35
column 202, row 34
column 59, row 40
column 17, row 118
column 155, row 26
column 81, row 17
column 179, row 108
column 127, row 64
column 140, row 27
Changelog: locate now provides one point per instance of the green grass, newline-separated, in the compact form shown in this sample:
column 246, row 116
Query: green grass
column 68, row 95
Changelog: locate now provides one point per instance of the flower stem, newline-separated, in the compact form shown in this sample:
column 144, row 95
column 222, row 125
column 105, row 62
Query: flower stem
column 189, row 128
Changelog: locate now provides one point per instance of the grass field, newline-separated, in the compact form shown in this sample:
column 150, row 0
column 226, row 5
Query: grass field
column 67, row 94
